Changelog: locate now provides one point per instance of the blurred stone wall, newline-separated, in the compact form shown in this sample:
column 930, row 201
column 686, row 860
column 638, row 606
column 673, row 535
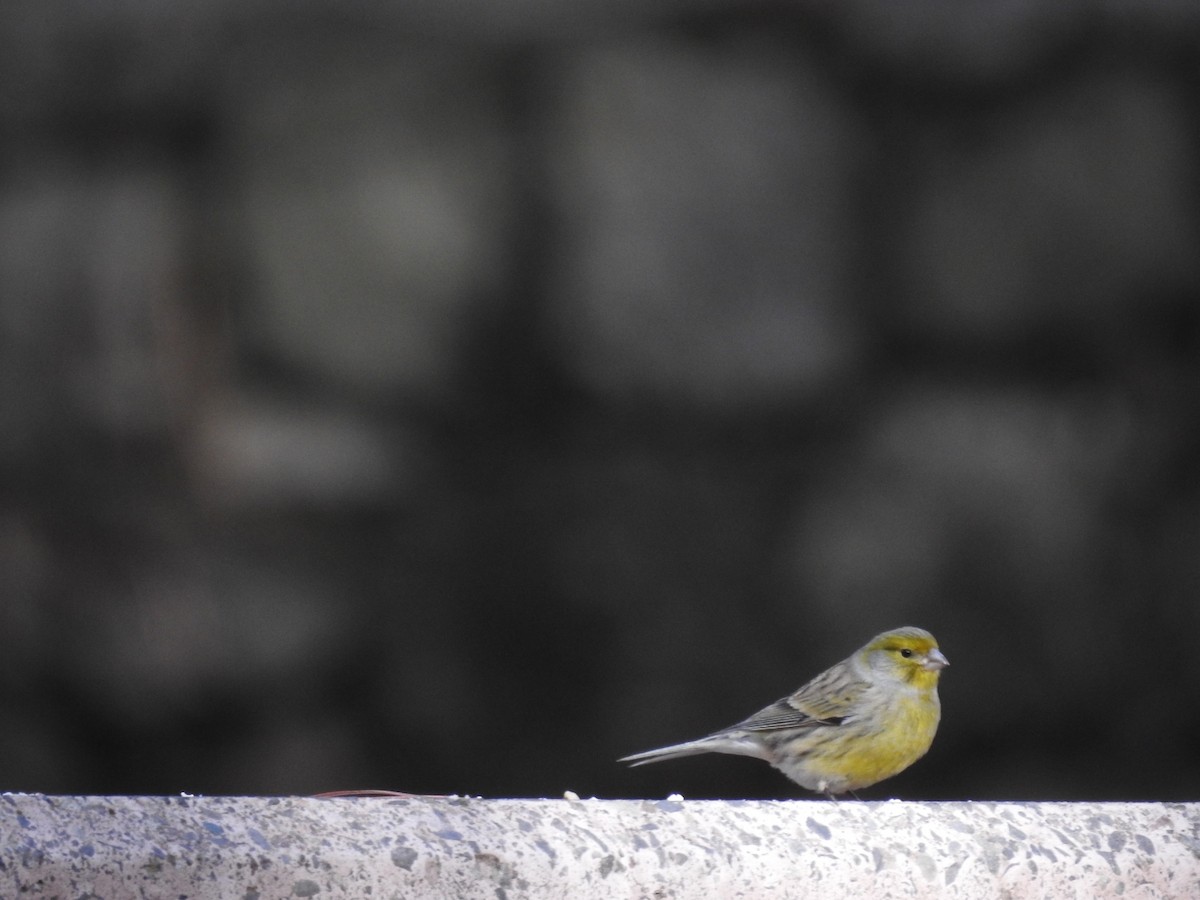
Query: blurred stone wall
column 453, row 397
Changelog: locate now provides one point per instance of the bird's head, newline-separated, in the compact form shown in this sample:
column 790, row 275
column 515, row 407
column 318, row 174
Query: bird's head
column 908, row 654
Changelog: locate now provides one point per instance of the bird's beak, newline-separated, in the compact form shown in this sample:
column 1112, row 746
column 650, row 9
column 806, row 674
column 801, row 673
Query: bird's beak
column 935, row 660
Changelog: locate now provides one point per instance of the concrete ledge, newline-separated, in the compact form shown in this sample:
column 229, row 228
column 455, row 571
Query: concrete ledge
column 252, row 847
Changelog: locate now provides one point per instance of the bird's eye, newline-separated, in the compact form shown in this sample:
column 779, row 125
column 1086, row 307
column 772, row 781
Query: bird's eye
column 906, row 653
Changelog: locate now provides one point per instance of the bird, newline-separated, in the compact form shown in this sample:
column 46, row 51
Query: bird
column 862, row 720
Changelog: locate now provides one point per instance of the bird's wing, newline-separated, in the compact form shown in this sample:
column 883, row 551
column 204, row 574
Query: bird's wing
column 826, row 700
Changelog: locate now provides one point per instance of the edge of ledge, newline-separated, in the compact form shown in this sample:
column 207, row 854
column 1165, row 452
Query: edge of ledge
column 419, row 846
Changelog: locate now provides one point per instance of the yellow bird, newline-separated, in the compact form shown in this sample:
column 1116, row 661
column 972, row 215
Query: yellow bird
column 865, row 719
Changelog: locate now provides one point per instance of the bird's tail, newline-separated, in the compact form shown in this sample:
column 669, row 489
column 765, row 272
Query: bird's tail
column 735, row 743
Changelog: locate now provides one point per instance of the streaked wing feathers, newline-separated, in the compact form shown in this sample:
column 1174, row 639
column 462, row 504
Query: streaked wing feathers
column 826, row 700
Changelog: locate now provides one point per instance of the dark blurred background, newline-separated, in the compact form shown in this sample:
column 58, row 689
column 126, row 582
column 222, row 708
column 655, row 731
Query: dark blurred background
column 454, row 397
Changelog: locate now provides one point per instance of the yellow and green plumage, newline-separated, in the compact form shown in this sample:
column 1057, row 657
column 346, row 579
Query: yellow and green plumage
column 867, row 718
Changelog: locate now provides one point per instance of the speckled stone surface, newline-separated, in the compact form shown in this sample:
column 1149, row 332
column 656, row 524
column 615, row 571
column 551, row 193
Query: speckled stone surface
column 250, row 847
